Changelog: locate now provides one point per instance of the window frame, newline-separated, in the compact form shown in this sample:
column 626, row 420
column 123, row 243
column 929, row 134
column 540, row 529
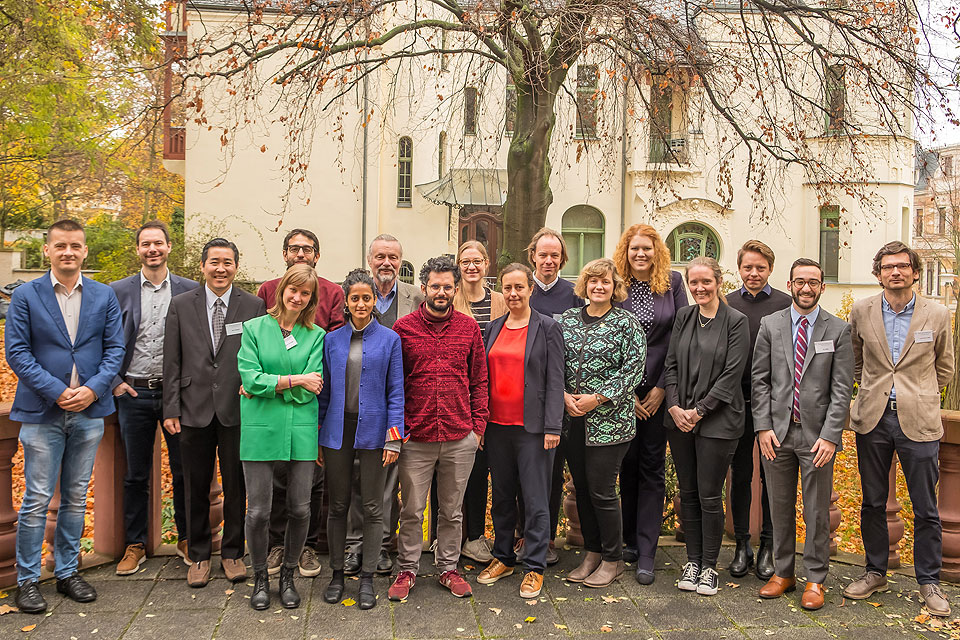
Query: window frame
column 471, row 99
column 585, row 102
column 679, row 233
column 405, row 172
column 579, row 235
column 835, row 98
column 831, row 273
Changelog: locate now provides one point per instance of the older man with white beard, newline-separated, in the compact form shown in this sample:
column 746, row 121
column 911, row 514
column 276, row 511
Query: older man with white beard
column 395, row 299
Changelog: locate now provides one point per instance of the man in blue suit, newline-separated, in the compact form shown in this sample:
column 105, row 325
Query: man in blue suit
column 64, row 342
column 144, row 299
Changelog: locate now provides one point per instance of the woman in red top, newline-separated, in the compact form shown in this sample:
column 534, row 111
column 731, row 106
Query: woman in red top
column 525, row 372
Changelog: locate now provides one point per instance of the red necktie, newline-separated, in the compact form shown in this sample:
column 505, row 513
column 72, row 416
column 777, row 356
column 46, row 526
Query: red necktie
column 799, row 355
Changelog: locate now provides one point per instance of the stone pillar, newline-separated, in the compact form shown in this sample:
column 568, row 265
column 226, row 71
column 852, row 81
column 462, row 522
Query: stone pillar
column 108, row 471
column 678, row 532
column 8, row 517
column 949, row 495
column 155, row 503
column 216, row 513
column 834, row 522
column 894, row 521
column 49, row 530
column 574, row 536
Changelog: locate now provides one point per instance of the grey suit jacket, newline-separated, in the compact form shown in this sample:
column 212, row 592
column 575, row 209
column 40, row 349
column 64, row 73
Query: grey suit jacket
column 199, row 384
column 825, row 384
column 409, row 298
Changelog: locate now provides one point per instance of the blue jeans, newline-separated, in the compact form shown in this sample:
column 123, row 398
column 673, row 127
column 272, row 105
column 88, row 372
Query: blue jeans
column 65, row 449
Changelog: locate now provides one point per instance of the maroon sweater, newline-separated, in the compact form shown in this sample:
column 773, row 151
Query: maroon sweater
column 329, row 296
column 445, row 376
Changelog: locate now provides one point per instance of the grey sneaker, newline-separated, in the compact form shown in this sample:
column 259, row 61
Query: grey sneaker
column 708, row 582
column 865, row 586
column 309, row 564
column 274, row 560
column 478, row 550
column 935, row 601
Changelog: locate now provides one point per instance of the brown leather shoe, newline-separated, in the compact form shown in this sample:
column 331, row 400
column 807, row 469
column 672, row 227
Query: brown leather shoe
column 812, row 598
column 198, row 575
column 605, row 574
column 494, row 571
column 865, row 586
column 590, row 563
column 182, row 551
column 133, row 557
column 777, row 586
column 234, row 569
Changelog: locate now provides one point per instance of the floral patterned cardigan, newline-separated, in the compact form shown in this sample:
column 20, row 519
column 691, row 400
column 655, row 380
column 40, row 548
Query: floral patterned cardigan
column 605, row 357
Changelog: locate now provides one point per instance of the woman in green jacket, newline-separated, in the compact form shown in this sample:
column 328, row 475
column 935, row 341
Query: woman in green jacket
column 280, row 363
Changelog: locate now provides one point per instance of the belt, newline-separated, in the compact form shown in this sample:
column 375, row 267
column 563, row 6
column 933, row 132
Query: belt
column 144, row 383
column 892, row 405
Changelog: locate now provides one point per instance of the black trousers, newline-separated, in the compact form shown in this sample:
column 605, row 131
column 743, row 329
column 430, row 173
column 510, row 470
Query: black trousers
column 475, row 498
column 642, row 487
column 741, row 486
column 278, row 516
column 517, row 458
column 920, row 464
column 138, row 418
column 594, row 471
column 556, row 491
column 200, row 447
column 701, row 464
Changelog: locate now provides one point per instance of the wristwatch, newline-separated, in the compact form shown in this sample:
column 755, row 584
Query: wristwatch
column 700, row 412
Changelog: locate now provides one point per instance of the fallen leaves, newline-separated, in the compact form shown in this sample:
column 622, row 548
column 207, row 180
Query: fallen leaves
column 609, row 600
column 29, row 627
column 875, row 604
column 733, row 585
column 496, row 611
column 230, row 592
column 4, row 609
column 530, row 619
column 606, row 628
column 349, row 602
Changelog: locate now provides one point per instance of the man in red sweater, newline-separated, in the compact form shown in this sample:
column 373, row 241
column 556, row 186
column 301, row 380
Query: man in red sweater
column 445, row 414
column 301, row 246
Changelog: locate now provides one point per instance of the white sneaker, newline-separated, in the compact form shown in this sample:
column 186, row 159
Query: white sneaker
column 478, row 550
column 689, row 577
column 708, row 583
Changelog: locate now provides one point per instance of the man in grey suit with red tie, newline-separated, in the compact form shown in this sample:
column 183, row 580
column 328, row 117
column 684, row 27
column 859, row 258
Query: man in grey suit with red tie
column 802, row 379
column 201, row 401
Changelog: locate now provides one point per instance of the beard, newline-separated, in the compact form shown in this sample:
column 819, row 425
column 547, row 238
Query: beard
column 439, row 306
column 805, row 306
column 385, row 278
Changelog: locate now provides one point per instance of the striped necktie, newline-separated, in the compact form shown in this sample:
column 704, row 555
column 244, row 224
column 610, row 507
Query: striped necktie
column 798, row 357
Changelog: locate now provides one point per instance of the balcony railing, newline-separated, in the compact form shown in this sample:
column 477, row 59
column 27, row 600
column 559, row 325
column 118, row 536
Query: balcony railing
column 672, row 149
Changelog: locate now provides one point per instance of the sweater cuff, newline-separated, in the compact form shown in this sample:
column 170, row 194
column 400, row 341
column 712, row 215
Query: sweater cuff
column 708, row 405
column 392, row 445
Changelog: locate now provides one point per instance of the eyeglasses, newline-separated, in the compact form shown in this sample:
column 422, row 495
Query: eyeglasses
column 900, row 266
column 477, row 262
column 436, row 288
column 297, row 248
column 800, row 283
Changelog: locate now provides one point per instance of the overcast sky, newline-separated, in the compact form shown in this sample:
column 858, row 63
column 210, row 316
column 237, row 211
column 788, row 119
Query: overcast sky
column 942, row 53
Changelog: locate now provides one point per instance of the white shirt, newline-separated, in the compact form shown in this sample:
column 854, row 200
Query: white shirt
column 545, row 287
column 147, row 358
column 69, row 302
column 212, row 300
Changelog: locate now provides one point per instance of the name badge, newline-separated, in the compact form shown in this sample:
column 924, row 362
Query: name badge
column 923, row 336
column 290, row 341
column 823, row 346
column 234, row 328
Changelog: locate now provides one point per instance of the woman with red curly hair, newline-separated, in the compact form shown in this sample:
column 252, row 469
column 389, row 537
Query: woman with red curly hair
column 655, row 294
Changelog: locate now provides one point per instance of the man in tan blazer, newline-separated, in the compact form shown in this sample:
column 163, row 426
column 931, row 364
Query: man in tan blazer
column 903, row 357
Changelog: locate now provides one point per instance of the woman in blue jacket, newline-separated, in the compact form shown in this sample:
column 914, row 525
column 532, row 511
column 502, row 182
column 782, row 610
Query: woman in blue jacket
column 361, row 416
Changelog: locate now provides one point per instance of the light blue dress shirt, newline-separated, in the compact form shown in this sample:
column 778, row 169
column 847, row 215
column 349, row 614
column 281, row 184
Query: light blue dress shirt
column 795, row 326
column 896, row 326
column 384, row 302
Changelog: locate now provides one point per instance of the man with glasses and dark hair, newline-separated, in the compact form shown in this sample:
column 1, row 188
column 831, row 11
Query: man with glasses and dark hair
column 903, row 351
column 802, row 379
column 445, row 415
column 301, row 246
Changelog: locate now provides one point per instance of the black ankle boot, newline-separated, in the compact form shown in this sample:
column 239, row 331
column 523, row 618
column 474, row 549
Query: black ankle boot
column 289, row 597
column 742, row 558
column 367, row 598
column 765, row 565
column 260, row 598
column 334, row 591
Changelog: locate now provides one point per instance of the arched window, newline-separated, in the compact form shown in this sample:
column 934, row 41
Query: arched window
column 582, row 230
column 406, row 272
column 691, row 240
column 405, row 172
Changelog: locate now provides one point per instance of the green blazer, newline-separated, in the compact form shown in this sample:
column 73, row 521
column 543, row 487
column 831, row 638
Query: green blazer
column 277, row 426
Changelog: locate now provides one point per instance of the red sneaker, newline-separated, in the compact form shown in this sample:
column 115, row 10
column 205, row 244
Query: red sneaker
column 454, row 581
column 400, row 588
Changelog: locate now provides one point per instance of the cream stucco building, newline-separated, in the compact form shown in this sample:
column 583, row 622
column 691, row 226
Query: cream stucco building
column 429, row 168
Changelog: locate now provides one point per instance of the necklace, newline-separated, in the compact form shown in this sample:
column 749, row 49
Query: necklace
column 703, row 324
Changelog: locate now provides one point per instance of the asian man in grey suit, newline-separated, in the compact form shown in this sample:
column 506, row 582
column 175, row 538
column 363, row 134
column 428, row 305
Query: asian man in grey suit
column 802, row 379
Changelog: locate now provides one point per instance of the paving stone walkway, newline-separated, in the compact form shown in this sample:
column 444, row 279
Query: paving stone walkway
column 156, row 603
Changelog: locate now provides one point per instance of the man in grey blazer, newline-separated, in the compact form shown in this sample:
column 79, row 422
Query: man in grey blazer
column 395, row 299
column 802, row 380
column 201, row 402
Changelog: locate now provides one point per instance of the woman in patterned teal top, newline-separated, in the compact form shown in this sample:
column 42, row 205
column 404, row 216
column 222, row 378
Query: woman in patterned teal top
column 605, row 352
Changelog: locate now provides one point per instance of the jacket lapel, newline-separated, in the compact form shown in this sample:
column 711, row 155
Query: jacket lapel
column 786, row 338
column 819, row 329
column 875, row 320
column 494, row 328
column 917, row 322
column 233, row 310
column 532, row 327
column 137, row 292
column 200, row 305
column 49, row 299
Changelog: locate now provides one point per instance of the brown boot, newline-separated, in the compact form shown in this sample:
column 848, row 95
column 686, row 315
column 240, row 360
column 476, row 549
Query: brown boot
column 590, row 563
column 605, row 574
column 777, row 586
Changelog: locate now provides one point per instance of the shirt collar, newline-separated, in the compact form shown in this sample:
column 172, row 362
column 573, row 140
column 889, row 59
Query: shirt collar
column 811, row 317
column 886, row 305
column 212, row 297
column 55, row 282
column 746, row 292
column 392, row 293
column 165, row 283
column 545, row 287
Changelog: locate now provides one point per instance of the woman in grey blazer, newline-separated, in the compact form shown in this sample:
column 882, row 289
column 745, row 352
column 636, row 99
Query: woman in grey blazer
column 525, row 365
column 705, row 408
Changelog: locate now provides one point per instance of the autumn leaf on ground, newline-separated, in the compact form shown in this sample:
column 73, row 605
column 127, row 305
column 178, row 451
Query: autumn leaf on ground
column 530, row 619
column 518, row 626
column 923, row 618
column 733, row 585
column 469, row 567
column 7, row 609
column 875, row 604
column 349, row 602
column 606, row 628
column 609, row 600
column 495, row 610
column 229, row 591
column 29, row 627
column 532, row 602
column 559, row 626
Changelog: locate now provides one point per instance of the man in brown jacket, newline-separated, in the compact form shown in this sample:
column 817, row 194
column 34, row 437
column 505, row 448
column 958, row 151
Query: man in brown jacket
column 903, row 357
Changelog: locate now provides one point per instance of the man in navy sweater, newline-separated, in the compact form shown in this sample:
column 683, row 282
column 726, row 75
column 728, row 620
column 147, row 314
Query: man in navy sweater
column 552, row 295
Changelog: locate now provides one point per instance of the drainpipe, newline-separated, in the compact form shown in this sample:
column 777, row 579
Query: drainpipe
column 623, row 161
column 363, row 173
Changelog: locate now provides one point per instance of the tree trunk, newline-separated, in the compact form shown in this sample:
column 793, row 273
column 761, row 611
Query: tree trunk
column 528, row 172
